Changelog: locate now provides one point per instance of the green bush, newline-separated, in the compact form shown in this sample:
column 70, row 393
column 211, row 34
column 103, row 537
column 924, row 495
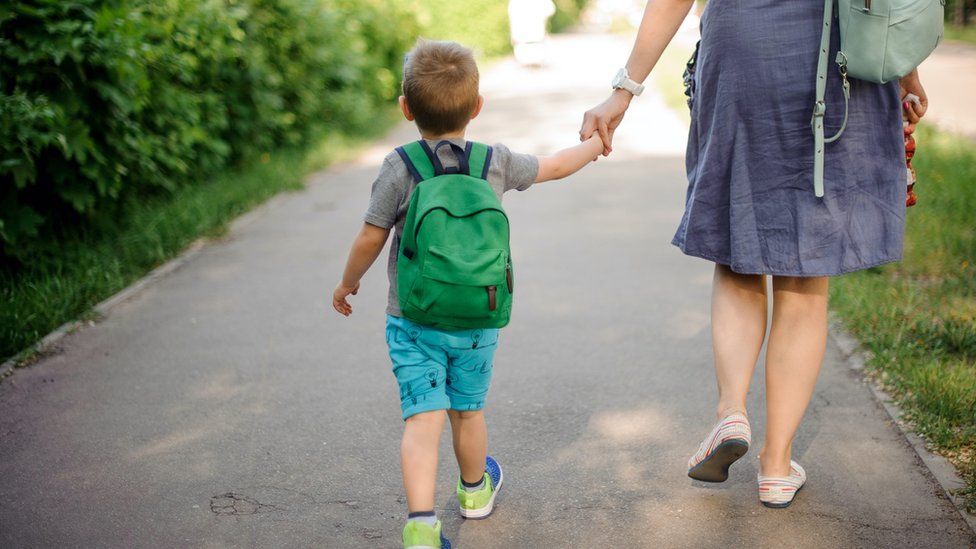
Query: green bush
column 567, row 14
column 478, row 24
column 72, row 72
column 104, row 103
column 483, row 24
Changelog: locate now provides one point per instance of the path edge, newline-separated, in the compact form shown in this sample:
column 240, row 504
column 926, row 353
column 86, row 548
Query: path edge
column 939, row 467
column 48, row 344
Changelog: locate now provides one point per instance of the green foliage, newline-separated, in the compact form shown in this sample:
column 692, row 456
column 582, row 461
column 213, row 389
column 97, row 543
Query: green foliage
column 567, row 14
column 961, row 34
column 483, row 24
column 71, row 72
column 107, row 103
column 478, row 24
column 917, row 318
column 960, row 12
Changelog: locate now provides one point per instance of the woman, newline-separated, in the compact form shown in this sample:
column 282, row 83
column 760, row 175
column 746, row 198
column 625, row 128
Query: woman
column 751, row 207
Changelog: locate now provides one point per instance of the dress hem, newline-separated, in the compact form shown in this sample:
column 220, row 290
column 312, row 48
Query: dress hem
column 773, row 272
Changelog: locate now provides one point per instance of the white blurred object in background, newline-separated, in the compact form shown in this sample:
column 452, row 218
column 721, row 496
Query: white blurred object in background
column 528, row 20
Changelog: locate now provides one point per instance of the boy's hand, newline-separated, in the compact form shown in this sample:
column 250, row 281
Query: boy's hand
column 339, row 301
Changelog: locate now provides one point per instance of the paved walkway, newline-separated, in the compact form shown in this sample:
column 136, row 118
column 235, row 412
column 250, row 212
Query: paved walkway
column 949, row 77
column 226, row 405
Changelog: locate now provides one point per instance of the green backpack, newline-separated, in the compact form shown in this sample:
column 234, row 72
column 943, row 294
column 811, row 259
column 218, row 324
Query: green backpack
column 454, row 265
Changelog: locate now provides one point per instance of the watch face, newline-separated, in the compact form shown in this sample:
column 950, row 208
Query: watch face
column 619, row 78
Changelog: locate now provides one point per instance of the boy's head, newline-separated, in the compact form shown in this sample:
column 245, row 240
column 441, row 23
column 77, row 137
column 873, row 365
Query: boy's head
column 440, row 87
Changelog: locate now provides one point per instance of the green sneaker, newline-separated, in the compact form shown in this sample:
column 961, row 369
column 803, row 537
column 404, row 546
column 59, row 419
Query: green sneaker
column 420, row 535
column 478, row 505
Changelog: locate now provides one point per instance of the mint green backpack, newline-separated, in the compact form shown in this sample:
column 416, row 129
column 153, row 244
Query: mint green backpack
column 880, row 41
column 454, row 265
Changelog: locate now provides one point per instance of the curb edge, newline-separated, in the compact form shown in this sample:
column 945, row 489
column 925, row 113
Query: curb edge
column 939, row 467
column 102, row 309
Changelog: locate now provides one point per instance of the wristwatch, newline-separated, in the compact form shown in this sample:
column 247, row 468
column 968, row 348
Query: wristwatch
column 622, row 81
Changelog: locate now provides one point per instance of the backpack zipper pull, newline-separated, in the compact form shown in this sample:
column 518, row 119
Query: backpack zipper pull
column 491, row 297
column 508, row 277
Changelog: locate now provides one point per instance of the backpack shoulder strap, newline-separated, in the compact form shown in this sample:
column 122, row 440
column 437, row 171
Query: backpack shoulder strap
column 419, row 160
column 479, row 158
column 820, row 106
column 422, row 162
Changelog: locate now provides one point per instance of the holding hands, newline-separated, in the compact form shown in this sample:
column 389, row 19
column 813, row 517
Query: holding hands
column 604, row 118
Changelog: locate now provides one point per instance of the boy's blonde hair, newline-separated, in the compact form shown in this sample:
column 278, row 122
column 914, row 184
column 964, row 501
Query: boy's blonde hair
column 440, row 85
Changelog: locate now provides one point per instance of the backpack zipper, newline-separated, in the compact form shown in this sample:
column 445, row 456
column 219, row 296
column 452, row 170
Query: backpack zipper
column 419, row 222
column 492, row 303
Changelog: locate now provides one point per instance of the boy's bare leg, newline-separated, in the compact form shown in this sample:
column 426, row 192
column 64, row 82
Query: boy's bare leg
column 418, row 458
column 738, row 329
column 797, row 341
column 470, row 433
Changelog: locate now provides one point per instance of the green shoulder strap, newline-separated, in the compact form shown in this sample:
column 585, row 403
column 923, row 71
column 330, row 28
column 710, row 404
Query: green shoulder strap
column 422, row 162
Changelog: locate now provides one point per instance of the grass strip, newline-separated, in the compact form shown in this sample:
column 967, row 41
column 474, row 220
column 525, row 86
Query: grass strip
column 917, row 318
column 961, row 34
column 90, row 266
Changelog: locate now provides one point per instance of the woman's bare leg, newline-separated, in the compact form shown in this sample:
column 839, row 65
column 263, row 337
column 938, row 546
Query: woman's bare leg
column 797, row 341
column 738, row 328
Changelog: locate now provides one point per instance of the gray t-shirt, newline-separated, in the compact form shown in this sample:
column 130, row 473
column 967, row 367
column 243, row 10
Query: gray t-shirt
column 393, row 185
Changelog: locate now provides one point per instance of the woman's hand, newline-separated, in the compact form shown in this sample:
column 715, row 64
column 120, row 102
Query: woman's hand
column 914, row 110
column 605, row 117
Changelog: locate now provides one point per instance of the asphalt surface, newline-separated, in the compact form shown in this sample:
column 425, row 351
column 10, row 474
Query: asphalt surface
column 227, row 405
column 949, row 77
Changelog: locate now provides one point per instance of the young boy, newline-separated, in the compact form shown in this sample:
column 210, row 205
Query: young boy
column 440, row 370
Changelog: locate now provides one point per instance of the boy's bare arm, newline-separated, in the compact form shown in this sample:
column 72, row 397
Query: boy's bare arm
column 568, row 161
column 365, row 249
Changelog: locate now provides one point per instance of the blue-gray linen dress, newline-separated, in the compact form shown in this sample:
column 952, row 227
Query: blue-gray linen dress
column 750, row 202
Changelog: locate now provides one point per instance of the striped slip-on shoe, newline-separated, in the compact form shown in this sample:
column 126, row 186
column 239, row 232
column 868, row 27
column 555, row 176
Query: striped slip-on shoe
column 727, row 442
column 778, row 492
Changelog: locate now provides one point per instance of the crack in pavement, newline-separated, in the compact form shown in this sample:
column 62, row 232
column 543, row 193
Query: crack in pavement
column 238, row 504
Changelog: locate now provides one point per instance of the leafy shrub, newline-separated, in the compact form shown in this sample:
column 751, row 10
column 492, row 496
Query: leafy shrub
column 72, row 72
column 478, row 24
column 483, row 24
column 567, row 14
column 103, row 103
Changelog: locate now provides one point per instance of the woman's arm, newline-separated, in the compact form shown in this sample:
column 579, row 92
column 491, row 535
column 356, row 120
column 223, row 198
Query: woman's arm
column 658, row 26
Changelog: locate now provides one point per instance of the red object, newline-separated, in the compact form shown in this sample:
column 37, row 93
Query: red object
column 911, row 199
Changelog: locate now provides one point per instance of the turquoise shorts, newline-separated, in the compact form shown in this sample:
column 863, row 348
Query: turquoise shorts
column 440, row 370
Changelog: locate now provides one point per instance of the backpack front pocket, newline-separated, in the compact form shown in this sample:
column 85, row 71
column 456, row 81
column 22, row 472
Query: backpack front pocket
column 462, row 283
